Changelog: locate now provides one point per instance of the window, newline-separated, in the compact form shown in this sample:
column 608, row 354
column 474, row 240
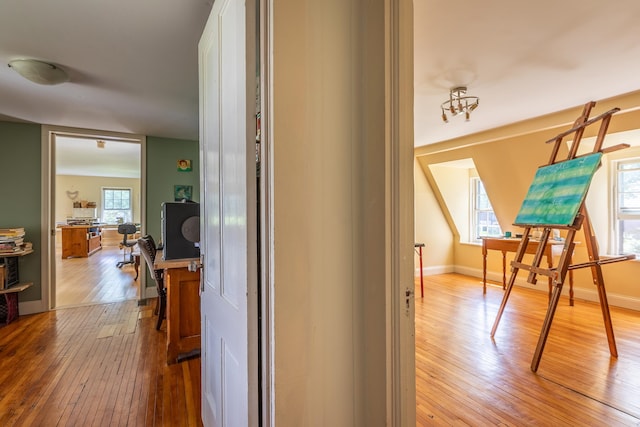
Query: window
column 627, row 207
column 116, row 205
column 483, row 221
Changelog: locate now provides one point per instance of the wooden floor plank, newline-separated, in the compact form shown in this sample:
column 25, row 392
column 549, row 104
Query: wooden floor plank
column 61, row 368
column 463, row 377
column 73, row 374
column 95, row 279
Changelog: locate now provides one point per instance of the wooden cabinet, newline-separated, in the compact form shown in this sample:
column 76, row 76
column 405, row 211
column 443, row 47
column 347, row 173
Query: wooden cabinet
column 183, row 308
column 80, row 240
column 183, row 313
column 94, row 242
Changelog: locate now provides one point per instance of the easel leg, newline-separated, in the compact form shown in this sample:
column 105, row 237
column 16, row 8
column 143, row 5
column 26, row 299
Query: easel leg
column 546, row 326
column 512, row 279
column 598, row 280
column 505, row 297
column 604, row 306
column 558, row 281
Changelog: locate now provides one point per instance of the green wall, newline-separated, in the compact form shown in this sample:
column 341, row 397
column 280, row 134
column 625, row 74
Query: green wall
column 20, row 194
column 20, row 203
column 162, row 174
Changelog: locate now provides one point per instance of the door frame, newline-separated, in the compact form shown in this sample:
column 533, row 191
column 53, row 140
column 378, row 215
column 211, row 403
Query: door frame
column 400, row 305
column 401, row 218
column 48, row 264
column 266, row 399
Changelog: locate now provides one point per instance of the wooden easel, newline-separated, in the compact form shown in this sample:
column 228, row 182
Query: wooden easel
column 581, row 220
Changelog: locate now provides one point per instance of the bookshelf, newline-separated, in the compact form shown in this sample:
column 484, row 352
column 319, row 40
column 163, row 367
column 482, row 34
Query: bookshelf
column 10, row 285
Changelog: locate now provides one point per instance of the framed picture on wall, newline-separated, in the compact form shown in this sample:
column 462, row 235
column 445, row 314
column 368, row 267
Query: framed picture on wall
column 182, row 192
column 184, row 165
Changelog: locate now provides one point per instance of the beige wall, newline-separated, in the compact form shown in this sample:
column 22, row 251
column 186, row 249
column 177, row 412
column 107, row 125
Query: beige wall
column 506, row 160
column 331, row 214
column 90, row 188
column 431, row 226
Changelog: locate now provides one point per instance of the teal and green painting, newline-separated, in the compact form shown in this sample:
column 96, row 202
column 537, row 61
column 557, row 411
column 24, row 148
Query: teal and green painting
column 557, row 192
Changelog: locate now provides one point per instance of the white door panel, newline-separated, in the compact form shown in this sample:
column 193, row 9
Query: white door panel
column 226, row 161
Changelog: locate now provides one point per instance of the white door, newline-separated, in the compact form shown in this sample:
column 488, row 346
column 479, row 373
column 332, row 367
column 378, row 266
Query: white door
column 228, row 200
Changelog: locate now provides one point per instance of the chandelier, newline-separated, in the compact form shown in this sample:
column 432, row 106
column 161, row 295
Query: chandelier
column 459, row 103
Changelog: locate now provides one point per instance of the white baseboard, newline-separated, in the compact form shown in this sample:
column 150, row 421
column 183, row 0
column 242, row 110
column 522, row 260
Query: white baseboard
column 38, row 306
column 32, row 307
column 433, row 270
column 591, row 295
column 150, row 292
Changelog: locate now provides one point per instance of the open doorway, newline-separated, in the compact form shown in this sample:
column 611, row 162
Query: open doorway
column 96, row 185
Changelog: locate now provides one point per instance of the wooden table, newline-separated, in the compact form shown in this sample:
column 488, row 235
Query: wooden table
column 183, row 307
column 505, row 245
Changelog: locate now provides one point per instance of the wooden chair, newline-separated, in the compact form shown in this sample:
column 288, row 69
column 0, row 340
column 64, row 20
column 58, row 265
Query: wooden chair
column 148, row 250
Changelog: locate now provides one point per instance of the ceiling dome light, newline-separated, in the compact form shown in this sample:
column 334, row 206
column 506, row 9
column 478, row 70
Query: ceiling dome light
column 39, row 72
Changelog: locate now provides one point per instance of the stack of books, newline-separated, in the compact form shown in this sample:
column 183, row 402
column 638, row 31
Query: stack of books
column 12, row 241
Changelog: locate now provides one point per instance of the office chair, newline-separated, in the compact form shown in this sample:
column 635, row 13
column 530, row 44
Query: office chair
column 148, row 250
column 126, row 230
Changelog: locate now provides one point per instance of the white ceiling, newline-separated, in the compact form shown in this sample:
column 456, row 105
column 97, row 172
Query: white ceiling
column 84, row 157
column 133, row 64
column 523, row 59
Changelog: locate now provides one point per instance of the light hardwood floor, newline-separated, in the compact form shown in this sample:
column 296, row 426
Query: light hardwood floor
column 96, row 365
column 466, row 378
column 105, row 365
column 94, row 280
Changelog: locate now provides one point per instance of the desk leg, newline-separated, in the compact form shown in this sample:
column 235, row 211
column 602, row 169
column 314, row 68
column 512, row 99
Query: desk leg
column 484, row 270
column 550, row 263
column 504, row 270
column 571, row 287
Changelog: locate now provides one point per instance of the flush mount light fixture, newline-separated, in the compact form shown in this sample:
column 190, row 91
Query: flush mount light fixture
column 100, row 143
column 459, row 103
column 39, row 71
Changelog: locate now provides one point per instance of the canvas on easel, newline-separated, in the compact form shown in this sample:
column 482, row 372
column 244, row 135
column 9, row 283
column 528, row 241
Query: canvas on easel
column 557, row 192
column 556, row 200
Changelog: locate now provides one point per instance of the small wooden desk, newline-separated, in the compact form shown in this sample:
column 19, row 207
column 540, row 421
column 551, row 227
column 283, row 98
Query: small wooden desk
column 80, row 240
column 505, row 245
column 183, row 308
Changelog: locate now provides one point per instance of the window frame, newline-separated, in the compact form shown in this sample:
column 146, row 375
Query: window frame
column 129, row 216
column 475, row 234
column 618, row 214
